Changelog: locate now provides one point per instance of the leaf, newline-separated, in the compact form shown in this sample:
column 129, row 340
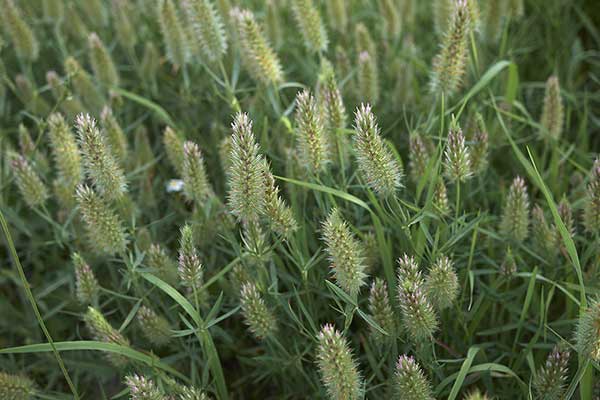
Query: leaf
column 462, row 374
column 152, row 106
column 82, row 345
column 202, row 332
column 326, row 189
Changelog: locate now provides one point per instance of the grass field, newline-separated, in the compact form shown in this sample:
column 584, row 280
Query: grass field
column 300, row 199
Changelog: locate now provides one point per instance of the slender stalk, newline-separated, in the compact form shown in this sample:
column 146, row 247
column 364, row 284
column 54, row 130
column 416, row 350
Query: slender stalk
column 38, row 315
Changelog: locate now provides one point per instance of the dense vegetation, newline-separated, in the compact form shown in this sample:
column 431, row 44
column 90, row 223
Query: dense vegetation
column 289, row 199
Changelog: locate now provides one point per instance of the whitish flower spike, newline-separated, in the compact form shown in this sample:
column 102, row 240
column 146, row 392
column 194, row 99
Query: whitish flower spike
column 16, row 387
column 312, row 142
column 376, row 162
column 410, row 382
column 100, row 164
column 339, row 370
column 418, row 315
column 245, row 172
column 345, row 254
column 260, row 59
column 207, row 28
column 515, row 217
column 259, row 318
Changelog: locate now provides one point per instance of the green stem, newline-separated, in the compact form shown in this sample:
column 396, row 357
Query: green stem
column 457, row 205
column 38, row 315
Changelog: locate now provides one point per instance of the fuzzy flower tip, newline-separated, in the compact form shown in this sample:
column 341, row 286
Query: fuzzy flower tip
column 142, row 388
column 339, row 370
column 551, row 379
column 381, row 310
column 259, row 318
column 419, row 155
column 312, row 143
column 16, row 387
column 86, row 285
column 173, row 144
column 458, row 157
column 24, row 41
column 30, row 185
column 552, row 120
column 195, row 182
column 173, row 33
column 102, row 331
column 154, row 327
column 163, row 266
column 114, row 134
column 334, row 110
column 449, row 64
column 257, row 54
column 345, row 253
column 190, row 267
column 100, row 164
column 368, row 77
column 587, row 334
column 515, row 217
column 65, row 150
column 418, row 315
column 376, row 162
column 103, row 225
column 191, row 393
column 441, row 284
column 276, row 210
column 591, row 209
column 102, row 63
column 207, row 28
column 476, row 395
column 410, row 382
column 245, row 172
column 544, row 237
column 310, row 24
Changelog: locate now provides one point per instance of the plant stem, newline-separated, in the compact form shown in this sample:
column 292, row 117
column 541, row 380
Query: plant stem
column 38, row 315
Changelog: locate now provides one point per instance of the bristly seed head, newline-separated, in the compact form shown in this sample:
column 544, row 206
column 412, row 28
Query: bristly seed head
column 104, row 227
column 142, row 388
column 190, row 267
column 381, row 311
column 101, row 167
column 418, row 315
column 154, row 327
column 410, row 382
column 30, row 185
column 207, row 27
column 552, row 119
column 338, row 369
column 458, row 157
column 345, row 254
column 312, row 143
column 551, row 379
column 16, row 387
column 591, row 211
column 515, row 217
column 245, row 173
column 260, row 59
column 195, row 182
column 86, row 285
column 449, row 64
column 587, row 334
column 376, row 162
column 441, row 284
column 102, row 331
column 258, row 317
column 309, row 22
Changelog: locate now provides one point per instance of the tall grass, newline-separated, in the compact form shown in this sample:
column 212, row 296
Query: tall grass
column 237, row 199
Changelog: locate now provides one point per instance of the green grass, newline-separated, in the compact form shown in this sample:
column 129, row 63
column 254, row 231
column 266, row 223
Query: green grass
column 516, row 299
